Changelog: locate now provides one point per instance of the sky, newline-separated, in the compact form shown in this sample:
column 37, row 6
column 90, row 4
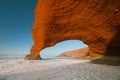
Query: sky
column 16, row 23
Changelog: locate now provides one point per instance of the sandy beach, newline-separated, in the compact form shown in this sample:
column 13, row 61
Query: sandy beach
column 59, row 69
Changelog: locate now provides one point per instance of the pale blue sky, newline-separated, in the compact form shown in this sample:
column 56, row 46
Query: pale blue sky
column 16, row 18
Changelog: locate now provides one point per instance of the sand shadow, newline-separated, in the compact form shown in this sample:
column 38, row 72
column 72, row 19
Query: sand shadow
column 112, row 61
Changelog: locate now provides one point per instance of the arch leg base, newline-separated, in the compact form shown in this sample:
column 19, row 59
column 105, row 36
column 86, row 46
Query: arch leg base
column 32, row 57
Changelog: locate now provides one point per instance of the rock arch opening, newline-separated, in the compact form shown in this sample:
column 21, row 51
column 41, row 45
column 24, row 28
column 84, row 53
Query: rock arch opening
column 71, row 48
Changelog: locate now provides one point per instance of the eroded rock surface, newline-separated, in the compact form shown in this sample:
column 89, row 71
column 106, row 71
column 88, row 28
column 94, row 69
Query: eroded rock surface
column 95, row 22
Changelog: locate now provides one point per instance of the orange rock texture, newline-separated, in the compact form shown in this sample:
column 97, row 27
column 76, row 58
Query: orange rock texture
column 95, row 22
column 76, row 53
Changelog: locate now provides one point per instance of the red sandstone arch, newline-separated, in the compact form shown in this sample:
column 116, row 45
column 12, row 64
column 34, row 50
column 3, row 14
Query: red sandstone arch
column 95, row 22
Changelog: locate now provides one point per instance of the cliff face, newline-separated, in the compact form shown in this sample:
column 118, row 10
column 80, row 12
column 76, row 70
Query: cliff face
column 76, row 53
column 95, row 22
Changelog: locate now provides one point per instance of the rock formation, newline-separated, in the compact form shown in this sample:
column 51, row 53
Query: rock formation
column 76, row 53
column 95, row 22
